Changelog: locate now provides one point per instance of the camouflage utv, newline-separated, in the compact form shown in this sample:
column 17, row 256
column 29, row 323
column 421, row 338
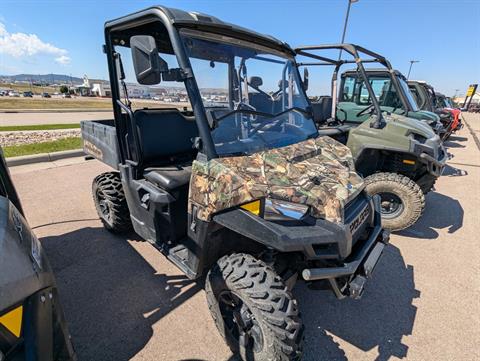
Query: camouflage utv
column 400, row 157
column 241, row 187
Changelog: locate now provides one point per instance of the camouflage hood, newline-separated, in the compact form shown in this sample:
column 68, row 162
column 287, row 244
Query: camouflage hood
column 317, row 172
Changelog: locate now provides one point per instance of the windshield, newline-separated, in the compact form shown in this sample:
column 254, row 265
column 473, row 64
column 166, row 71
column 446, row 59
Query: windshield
column 251, row 94
column 443, row 102
column 408, row 94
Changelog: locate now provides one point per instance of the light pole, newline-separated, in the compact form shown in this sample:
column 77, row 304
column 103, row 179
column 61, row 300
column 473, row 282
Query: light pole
column 410, row 69
column 350, row 2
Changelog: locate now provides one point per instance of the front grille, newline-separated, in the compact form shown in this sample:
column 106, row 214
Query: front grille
column 358, row 216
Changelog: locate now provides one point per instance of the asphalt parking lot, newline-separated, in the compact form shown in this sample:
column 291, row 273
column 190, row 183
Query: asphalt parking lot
column 123, row 300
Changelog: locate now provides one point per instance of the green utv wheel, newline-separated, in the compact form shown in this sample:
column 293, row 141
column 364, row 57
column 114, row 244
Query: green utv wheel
column 110, row 202
column 402, row 199
column 253, row 310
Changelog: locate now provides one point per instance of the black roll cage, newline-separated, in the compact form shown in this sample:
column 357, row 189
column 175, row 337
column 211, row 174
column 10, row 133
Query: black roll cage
column 173, row 20
column 355, row 51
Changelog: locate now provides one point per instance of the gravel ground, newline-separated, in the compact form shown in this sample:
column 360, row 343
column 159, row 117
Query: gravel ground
column 30, row 137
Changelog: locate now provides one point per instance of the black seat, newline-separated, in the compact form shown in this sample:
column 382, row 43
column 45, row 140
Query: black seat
column 170, row 177
column 165, row 137
column 322, row 109
column 259, row 100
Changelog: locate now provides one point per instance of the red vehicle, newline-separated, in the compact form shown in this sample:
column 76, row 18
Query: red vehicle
column 445, row 103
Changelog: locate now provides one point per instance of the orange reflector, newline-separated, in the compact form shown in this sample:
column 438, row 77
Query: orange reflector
column 252, row 207
column 408, row 161
column 13, row 320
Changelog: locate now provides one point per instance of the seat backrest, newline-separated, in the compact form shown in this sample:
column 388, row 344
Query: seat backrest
column 164, row 135
column 322, row 109
column 261, row 102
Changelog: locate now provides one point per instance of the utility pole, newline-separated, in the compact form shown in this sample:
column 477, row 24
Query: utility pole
column 350, row 2
column 410, row 69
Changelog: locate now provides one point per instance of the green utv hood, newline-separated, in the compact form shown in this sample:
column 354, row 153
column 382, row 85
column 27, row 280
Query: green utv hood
column 395, row 135
column 317, row 172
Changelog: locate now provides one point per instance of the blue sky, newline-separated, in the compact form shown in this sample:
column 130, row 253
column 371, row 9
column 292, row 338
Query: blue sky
column 66, row 36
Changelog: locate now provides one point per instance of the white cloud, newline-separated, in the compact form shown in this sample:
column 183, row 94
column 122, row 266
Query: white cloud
column 21, row 45
column 63, row 60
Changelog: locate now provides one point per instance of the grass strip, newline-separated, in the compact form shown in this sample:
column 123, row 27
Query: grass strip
column 43, row 147
column 14, row 128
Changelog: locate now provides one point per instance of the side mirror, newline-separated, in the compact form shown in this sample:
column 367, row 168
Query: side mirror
column 146, row 61
column 305, row 79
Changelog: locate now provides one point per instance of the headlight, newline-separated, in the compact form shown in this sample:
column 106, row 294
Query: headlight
column 276, row 210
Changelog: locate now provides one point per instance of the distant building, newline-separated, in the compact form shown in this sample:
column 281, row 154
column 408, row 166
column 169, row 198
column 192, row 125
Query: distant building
column 84, row 89
column 101, row 90
column 461, row 100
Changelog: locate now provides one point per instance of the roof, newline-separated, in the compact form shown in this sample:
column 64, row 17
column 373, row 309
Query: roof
column 375, row 70
column 178, row 17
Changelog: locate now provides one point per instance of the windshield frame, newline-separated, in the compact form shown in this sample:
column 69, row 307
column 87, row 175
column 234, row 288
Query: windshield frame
column 403, row 85
column 290, row 66
column 234, row 41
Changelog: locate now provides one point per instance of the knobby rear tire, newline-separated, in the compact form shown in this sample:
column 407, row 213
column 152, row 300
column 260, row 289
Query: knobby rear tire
column 115, row 216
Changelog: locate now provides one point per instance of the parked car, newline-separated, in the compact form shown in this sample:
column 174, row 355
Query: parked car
column 13, row 94
column 46, row 95
column 28, row 94
column 66, row 95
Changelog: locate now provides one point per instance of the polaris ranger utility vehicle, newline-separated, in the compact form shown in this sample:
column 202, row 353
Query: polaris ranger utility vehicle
column 32, row 324
column 241, row 186
column 400, row 157
column 426, row 99
column 393, row 95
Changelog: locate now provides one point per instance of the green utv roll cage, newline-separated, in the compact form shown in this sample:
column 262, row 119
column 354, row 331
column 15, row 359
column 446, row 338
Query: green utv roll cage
column 355, row 51
column 404, row 102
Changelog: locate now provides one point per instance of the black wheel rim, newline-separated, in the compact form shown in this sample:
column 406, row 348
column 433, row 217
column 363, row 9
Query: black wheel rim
column 392, row 205
column 103, row 205
column 240, row 322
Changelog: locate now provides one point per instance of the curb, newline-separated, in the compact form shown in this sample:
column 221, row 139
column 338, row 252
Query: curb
column 44, row 157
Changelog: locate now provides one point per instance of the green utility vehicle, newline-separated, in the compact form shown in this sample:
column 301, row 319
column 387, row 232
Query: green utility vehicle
column 32, row 324
column 392, row 92
column 399, row 157
column 429, row 100
column 241, row 187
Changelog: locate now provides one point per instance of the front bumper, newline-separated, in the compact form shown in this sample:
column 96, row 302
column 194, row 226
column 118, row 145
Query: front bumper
column 435, row 167
column 432, row 153
column 357, row 270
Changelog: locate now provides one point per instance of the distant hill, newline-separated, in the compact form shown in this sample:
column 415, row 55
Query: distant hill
column 43, row 78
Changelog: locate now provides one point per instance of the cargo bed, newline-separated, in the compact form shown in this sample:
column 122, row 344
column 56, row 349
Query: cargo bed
column 100, row 141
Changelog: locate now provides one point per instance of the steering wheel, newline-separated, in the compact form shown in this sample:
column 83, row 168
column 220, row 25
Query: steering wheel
column 248, row 106
column 265, row 123
column 363, row 111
